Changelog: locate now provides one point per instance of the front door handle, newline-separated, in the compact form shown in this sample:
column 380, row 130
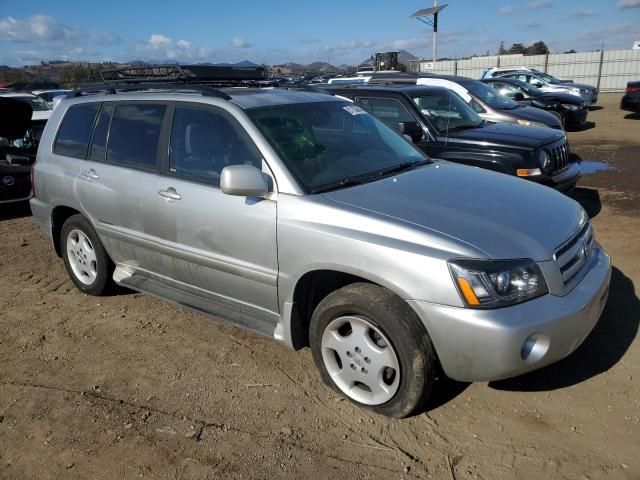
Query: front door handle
column 170, row 193
column 91, row 175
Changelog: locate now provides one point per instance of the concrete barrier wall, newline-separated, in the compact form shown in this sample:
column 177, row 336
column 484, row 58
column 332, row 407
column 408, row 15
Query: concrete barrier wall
column 609, row 70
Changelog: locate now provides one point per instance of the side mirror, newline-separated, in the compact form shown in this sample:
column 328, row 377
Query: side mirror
column 537, row 84
column 243, row 181
column 413, row 130
column 518, row 97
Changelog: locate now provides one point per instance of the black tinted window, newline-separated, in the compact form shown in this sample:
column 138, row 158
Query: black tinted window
column 99, row 143
column 204, row 142
column 75, row 131
column 134, row 135
column 390, row 112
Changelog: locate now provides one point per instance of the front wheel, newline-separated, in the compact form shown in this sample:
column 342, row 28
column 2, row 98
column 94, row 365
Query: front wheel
column 370, row 346
column 85, row 259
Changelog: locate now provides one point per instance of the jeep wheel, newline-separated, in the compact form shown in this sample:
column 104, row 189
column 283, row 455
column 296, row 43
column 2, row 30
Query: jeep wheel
column 370, row 346
column 85, row 259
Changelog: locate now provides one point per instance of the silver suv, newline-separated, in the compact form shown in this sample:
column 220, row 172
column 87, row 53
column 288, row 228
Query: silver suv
column 301, row 217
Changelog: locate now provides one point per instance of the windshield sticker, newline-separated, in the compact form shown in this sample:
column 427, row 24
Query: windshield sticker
column 354, row 110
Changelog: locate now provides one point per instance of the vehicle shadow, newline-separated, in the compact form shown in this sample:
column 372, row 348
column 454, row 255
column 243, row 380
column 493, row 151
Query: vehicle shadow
column 589, row 198
column 444, row 391
column 603, row 348
column 588, row 125
column 14, row 210
column 595, row 108
column 632, row 116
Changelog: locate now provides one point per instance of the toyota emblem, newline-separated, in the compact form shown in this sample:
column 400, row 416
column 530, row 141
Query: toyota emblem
column 9, row 181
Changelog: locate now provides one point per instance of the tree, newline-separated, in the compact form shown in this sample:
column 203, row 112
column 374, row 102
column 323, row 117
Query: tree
column 571, row 51
column 502, row 50
column 517, row 48
column 538, row 48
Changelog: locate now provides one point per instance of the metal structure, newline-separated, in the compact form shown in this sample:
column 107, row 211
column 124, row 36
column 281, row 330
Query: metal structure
column 386, row 60
column 429, row 16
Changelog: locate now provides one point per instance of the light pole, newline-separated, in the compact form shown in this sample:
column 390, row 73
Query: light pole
column 430, row 17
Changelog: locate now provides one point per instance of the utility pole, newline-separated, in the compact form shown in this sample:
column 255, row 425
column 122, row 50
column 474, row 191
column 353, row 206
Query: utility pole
column 435, row 33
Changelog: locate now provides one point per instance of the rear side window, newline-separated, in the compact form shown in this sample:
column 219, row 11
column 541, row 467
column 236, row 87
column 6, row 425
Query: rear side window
column 75, row 131
column 134, row 135
column 390, row 112
column 99, row 144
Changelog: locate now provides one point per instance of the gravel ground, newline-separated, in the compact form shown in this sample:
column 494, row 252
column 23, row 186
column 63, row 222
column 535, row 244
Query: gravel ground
column 130, row 386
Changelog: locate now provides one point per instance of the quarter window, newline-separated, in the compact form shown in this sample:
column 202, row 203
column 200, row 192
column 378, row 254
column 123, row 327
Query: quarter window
column 203, row 142
column 75, row 131
column 134, row 135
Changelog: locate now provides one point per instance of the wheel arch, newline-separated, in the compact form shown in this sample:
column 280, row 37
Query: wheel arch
column 59, row 215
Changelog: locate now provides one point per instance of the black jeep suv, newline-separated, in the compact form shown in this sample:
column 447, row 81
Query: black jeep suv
column 440, row 123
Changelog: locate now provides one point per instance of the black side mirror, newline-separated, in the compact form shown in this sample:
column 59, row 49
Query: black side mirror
column 412, row 130
column 518, row 97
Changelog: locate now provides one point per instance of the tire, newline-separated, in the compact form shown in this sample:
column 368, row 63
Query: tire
column 560, row 117
column 85, row 258
column 380, row 321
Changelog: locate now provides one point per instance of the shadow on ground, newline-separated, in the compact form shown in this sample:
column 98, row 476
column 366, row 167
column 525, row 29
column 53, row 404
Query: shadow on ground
column 632, row 116
column 10, row 211
column 603, row 348
column 589, row 198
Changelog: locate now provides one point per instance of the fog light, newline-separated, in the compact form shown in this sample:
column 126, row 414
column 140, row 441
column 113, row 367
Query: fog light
column 535, row 347
column 528, row 172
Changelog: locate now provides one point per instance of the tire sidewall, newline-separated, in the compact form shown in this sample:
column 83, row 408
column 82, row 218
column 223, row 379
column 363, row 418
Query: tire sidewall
column 416, row 366
column 99, row 285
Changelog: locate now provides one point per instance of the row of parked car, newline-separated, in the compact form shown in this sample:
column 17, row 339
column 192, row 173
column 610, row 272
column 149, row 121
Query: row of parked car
column 314, row 216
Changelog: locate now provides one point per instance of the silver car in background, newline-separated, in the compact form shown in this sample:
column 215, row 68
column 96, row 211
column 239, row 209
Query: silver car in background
column 301, row 217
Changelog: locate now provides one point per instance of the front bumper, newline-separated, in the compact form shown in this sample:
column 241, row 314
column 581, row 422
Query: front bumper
column 576, row 118
column 563, row 181
column 482, row 345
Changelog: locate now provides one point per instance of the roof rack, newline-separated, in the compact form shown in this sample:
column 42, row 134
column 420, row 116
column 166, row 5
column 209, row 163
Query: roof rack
column 112, row 88
column 192, row 78
column 185, row 74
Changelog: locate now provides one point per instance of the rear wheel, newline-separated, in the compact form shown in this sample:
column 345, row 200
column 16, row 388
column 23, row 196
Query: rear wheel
column 370, row 346
column 85, row 259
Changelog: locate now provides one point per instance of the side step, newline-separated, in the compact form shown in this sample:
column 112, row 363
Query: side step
column 257, row 320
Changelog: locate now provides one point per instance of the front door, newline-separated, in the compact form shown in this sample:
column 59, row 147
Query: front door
column 223, row 245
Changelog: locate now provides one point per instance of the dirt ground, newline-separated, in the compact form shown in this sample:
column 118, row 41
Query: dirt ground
column 130, row 386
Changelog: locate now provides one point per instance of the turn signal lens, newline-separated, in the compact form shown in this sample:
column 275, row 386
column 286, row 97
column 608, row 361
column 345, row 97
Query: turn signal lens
column 528, row 172
column 467, row 291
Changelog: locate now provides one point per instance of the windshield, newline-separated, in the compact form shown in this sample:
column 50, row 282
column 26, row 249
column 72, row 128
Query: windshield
column 447, row 111
column 490, row 96
column 528, row 89
column 331, row 144
column 37, row 103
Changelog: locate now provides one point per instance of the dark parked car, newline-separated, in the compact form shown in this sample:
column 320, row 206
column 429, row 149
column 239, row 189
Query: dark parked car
column 570, row 109
column 19, row 137
column 631, row 99
column 444, row 126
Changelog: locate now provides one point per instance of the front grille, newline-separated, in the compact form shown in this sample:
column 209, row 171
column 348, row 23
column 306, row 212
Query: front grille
column 575, row 254
column 14, row 187
column 559, row 157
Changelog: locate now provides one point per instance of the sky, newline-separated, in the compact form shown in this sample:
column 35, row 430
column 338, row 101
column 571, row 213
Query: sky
column 280, row 31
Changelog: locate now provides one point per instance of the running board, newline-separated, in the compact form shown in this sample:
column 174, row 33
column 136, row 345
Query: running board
column 251, row 318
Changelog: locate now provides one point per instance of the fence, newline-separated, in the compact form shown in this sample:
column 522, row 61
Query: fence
column 608, row 70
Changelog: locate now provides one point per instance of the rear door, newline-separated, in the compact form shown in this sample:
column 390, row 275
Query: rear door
column 117, row 185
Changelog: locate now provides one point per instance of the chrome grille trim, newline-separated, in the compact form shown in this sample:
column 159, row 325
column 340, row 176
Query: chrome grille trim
column 575, row 254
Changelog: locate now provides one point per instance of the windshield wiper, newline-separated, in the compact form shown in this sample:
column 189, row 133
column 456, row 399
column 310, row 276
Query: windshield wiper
column 369, row 177
column 463, row 127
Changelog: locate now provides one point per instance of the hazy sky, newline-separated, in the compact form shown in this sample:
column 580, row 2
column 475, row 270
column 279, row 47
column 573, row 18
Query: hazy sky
column 280, row 31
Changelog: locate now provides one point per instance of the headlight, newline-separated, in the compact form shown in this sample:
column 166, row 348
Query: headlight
column 570, row 106
column 497, row 283
column 530, row 123
column 575, row 91
column 545, row 159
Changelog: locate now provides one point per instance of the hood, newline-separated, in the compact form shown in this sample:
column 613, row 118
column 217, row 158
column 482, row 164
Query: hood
column 575, row 85
column 561, row 97
column 509, row 134
column 15, row 118
column 535, row 115
column 503, row 216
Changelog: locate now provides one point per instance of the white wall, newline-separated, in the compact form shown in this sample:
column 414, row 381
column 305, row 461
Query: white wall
column 618, row 66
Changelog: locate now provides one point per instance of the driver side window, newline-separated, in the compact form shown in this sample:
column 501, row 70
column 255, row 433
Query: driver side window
column 203, row 142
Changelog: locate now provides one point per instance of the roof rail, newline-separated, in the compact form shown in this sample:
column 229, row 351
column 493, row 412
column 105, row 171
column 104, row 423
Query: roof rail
column 112, row 88
column 184, row 74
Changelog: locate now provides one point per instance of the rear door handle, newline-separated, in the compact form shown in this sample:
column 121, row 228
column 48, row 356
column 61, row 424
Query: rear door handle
column 170, row 193
column 91, row 175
